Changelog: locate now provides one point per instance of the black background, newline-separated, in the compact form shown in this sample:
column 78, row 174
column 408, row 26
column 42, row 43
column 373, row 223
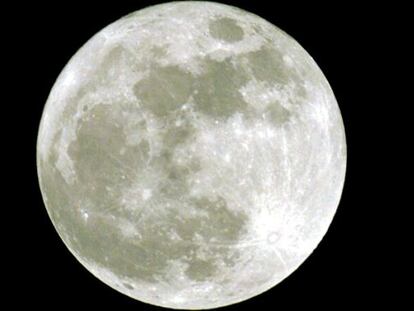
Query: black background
column 340, row 36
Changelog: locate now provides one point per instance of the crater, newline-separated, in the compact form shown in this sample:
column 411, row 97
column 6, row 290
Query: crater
column 226, row 29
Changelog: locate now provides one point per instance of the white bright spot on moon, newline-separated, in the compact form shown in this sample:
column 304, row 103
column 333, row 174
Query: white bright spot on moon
column 191, row 155
column 85, row 215
column 146, row 194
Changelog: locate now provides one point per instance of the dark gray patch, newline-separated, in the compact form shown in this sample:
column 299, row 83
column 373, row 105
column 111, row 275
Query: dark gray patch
column 96, row 146
column 158, row 52
column 223, row 223
column 219, row 228
column 277, row 114
column 220, row 223
column 175, row 184
column 127, row 285
column 218, row 89
column 199, row 270
column 99, row 165
column 165, row 90
column 144, row 259
column 267, row 65
column 178, row 134
column 99, row 241
column 226, row 29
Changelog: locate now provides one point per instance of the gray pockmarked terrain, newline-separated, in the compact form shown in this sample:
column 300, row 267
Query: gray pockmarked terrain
column 191, row 155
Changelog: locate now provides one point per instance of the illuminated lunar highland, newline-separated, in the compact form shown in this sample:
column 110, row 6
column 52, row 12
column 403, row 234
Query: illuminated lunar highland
column 191, row 155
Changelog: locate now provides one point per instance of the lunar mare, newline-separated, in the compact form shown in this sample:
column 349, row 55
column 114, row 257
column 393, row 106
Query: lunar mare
column 191, row 155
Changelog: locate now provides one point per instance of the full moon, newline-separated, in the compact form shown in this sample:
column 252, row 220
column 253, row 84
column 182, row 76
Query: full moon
column 191, row 155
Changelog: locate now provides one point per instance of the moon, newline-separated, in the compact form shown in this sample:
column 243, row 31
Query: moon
column 191, row 155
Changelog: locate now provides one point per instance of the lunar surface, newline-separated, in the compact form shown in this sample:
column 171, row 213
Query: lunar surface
column 191, row 155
